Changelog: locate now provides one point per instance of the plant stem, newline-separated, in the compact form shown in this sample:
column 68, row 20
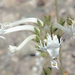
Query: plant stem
column 56, row 4
column 60, row 53
column 61, row 72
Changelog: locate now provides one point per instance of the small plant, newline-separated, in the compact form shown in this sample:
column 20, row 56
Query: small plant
column 47, row 34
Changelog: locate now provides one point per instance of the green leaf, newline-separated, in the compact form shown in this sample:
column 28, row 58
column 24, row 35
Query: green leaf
column 47, row 20
column 69, row 20
column 36, row 24
column 43, row 54
column 36, row 30
column 44, row 22
column 47, row 71
column 36, row 46
column 37, row 39
column 45, row 17
column 51, row 28
column 39, row 23
column 62, row 21
column 45, row 35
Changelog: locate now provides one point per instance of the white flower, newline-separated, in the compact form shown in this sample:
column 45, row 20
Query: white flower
column 54, row 64
column 66, row 30
column 13, row 49
column 53, row 47
column 3, row 27
column 34, row 20
column 41, row 47
column 69, row 30
column 20, row 28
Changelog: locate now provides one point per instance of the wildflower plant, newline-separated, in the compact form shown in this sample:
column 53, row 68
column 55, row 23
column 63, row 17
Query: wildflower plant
column 46, row 34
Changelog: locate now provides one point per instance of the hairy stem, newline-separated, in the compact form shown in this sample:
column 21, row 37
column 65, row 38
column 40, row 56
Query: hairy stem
column 60, row 53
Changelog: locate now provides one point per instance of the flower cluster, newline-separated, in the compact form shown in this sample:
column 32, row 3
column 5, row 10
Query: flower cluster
column 9, row 28
column 52, row 40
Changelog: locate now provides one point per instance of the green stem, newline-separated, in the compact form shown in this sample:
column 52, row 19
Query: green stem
column 56, row 4
column 60, row 53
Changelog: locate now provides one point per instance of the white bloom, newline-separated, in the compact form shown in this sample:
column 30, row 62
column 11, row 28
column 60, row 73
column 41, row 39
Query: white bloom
column 54, row 64
column 41, row 47
column 3, row 27
column 53, row 47
column 34, row 20
column 66, row 30
column 13, row 49
column 26, row 41
column 69, row 30
column 20, row 28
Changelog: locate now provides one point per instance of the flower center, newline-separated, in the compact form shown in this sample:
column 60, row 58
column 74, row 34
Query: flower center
column 54, row 58
column 54, row 64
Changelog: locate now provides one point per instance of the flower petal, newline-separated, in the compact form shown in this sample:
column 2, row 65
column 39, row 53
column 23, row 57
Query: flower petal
column 3, row 37
column 34, row 20
column 26, row 41
column 54, row 64
column 55, row 39
column 53, row 52
column 41, row 47
column 12, row 49
column 19, row 28
column 66, row 30
column 49, row 40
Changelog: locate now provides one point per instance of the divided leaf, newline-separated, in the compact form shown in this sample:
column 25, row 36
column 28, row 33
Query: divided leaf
column 37, row 39
column 69, row 20
column 43, row 54
column 62, row 21
column 39, row 23
column 47, row 20
column 47, row 71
